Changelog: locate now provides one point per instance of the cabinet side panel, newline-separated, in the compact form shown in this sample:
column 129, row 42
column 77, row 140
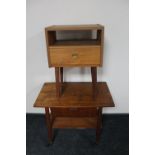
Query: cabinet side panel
column 100, row 38
column 50, row 40
column 47, row 45
column 102, row 45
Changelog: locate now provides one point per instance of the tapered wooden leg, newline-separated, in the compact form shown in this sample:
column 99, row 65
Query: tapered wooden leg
column 57, row 78
column 61, row 74
column 94, row 80
column 98, row 125
column 49, row 126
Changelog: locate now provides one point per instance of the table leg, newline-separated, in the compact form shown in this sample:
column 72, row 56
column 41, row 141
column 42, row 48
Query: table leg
column 49, row 126
column 94, row 80
column 61, row 74
column 57, row 78
column 98, row 125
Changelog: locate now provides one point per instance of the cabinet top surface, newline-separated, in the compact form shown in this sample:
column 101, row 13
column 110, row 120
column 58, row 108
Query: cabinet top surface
column 75, row 94
column 75, row 27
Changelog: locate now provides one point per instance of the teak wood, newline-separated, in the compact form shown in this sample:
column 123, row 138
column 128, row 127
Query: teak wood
column 74, row 27
column 83, row 52
column 75, row 56
column 75, row 109
column 74, row 95
column 74, row 104
column 57, row 48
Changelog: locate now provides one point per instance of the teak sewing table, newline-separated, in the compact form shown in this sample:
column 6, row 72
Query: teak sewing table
column 76, row 108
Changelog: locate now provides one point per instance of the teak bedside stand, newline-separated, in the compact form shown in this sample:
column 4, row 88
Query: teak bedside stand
column 74, row 104
column 82, row 47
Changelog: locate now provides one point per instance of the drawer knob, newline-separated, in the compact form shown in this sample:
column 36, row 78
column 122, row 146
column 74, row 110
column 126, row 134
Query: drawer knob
column 74, row 55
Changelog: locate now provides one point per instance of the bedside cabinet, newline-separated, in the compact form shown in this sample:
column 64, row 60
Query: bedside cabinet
column 74, row 46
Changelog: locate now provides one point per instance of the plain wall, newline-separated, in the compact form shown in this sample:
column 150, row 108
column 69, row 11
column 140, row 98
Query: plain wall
column 113, row 14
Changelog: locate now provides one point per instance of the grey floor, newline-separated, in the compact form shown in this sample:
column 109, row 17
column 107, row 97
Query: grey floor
column 114, row 138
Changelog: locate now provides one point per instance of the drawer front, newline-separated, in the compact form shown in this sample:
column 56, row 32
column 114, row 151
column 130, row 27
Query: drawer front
column 74, row 112
column 69, row 56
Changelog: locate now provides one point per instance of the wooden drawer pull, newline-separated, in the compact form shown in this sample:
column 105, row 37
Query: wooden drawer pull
column 74, row 55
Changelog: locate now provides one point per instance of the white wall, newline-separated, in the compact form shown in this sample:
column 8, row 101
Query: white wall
column 113, row 14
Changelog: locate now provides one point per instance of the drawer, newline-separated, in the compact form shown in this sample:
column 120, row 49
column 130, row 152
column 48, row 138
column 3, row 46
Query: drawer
column 74, row 112
column 75, row 56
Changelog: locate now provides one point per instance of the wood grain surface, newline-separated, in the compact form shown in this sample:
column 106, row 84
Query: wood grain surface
column 75, row 94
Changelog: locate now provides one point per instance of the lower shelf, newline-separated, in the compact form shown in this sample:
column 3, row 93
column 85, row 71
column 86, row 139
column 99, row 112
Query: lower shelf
column 74, row 122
